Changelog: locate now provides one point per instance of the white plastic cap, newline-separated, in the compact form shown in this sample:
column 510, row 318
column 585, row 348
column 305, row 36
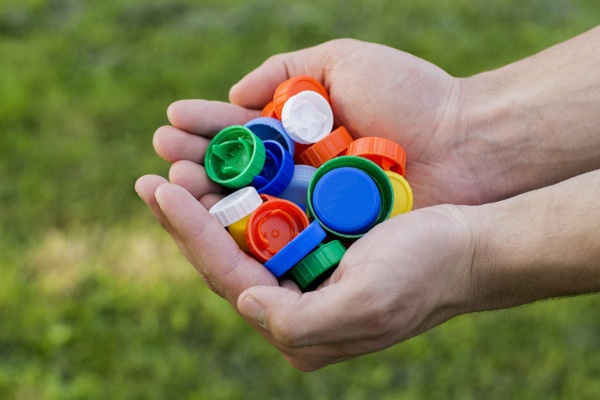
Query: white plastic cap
column 236, row 206
column 307, row 117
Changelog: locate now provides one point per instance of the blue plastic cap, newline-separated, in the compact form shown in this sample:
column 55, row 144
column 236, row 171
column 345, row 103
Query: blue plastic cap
column 277, row 171
column 347, row 200
column 297, row 189
column 298, row 248
column 267, row 128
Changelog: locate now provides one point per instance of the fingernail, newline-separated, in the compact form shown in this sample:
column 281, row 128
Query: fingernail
column 141, row 197
column 252, row 309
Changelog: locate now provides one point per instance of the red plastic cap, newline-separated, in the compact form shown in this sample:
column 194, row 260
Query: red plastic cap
column 292, row 87
column 273, row 225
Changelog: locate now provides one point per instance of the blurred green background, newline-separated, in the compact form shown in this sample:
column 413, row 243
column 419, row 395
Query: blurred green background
column 95, row 300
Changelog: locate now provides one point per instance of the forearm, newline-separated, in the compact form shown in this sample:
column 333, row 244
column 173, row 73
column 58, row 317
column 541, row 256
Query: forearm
column 542, row 244
column 538, row 119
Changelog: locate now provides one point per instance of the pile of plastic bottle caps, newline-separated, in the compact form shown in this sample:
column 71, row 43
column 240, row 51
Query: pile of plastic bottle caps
column 303, row 189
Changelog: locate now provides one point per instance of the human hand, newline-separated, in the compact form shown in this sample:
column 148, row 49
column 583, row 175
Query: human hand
column 375, row 91
column 405, row 276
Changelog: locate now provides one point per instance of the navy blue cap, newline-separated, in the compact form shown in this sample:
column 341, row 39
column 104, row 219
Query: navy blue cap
column 298, row 248
column 346, row 200
column 277, row 171
column 267, row 128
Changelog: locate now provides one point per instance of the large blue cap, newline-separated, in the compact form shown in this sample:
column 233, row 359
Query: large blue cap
column 267, row 128
column 298, row 248
column 347, row 200
column 277, row 171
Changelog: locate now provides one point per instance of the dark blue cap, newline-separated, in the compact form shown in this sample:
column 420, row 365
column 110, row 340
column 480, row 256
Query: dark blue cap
column 346, row 200
column 298, row 248
column 267, row 128
column 277, row 171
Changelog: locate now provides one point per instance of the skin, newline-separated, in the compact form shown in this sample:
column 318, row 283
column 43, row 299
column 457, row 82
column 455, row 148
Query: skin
column 494, row 161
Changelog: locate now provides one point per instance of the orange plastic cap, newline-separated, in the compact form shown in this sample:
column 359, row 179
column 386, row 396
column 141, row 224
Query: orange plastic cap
column 386, row 153
column 273, row 225
column 331, row 146
column 269, row 111
column 293, row 86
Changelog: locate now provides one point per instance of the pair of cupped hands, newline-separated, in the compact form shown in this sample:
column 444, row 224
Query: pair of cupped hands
column 405, row 276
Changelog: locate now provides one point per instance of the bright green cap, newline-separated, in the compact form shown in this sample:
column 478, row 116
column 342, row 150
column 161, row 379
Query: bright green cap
column 310, row 269
column 234, row 157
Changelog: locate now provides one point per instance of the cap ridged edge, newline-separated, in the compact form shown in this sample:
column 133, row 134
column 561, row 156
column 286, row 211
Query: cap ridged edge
column 296, row 250
column 314, row 265
column 236, row 206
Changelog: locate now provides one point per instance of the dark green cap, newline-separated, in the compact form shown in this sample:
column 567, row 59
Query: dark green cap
column 314, row 266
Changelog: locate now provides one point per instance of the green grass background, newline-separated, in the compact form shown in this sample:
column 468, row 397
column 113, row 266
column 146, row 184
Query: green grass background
column 96, row 302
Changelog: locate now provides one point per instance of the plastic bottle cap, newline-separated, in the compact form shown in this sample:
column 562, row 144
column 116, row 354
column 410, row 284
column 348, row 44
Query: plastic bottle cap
column 307, row 117
column 386, row 153
column 269, row 110
column 403, row 196
column 325, row 149
column 272, row 226
column 346, row 200
column 300, row 147
column 277, row 171
column 311, row 270
column 237, row 230
column 296, row 250
column 234, row 157
column 292, row 87
column 267, row 128
column 373, row 170
column 298, row 187
column 236, row 206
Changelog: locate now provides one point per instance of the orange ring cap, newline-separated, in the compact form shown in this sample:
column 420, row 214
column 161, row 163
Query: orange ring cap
column 386, row 153
column 273, row 225
column 292, row 87
column 299, row 149
column 327, row 148
column 269, row 110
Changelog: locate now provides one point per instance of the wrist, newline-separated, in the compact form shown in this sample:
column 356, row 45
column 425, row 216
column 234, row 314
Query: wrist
column 535, row 122
column 542, row 244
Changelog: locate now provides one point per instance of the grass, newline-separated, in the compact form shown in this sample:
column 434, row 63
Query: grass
column 95, row 300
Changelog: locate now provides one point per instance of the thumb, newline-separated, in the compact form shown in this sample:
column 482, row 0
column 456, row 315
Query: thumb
column 256, row 89
column 297, row 319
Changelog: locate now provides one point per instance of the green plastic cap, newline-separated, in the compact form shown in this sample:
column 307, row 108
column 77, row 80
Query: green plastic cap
column 234, row 157
column 378, row 175
column 309, row 271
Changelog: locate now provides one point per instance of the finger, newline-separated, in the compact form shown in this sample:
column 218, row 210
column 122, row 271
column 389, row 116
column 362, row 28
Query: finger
column 146, row 187
column 257, row 88
column 173, row 144
column 192, row 177
column 206, row 118
column 226, row 269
